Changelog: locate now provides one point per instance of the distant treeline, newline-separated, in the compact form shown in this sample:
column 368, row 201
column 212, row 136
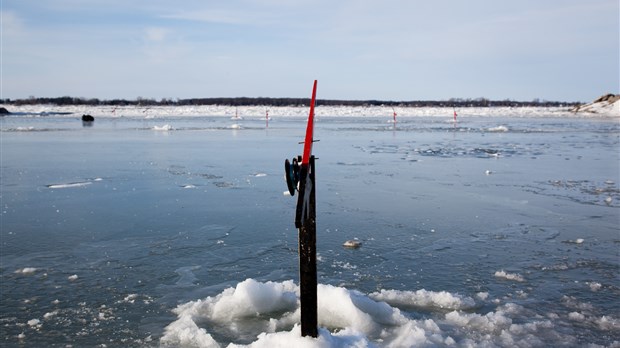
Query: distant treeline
column 260, row 101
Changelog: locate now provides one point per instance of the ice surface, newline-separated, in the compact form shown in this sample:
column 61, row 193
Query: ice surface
column 526, row 256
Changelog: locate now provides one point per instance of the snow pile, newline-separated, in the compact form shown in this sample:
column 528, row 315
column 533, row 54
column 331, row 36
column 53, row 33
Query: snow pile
column 255, row 314
column 606, row 105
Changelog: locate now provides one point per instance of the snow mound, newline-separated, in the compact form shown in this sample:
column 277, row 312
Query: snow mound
column 606, row 105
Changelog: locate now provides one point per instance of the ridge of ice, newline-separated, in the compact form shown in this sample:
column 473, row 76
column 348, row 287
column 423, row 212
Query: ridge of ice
column 258, row 112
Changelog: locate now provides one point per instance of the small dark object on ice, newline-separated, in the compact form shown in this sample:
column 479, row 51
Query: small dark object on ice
column 87, row 118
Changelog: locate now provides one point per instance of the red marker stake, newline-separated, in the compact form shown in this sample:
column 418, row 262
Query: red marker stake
column 305, row 159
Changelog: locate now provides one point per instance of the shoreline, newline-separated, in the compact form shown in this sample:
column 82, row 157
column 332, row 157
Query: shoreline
column 612, row 111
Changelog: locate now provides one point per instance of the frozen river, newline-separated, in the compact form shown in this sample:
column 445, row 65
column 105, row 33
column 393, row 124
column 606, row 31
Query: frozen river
column 172, row 230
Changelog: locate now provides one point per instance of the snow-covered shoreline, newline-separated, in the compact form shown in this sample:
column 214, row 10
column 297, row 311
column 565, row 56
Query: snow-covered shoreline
column 608, row 104
column 612, row 111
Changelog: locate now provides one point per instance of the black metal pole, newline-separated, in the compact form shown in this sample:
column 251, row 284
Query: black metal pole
column 307, row 263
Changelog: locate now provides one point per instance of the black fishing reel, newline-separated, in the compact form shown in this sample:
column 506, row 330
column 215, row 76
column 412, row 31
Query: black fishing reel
column 292, row 174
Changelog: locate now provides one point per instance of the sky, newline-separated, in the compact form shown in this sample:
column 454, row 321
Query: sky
column 400, row 50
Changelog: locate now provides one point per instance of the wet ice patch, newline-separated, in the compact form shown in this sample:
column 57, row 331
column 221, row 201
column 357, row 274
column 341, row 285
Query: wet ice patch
column 581, row 191
column 343, row 265
column 187, row 276
column 409, row 151
column 223, row 184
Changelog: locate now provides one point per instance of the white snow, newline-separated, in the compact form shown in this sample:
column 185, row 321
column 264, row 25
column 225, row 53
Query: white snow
column 348, row 318
column 424, row 299
column 608, row 107
column 258, row 112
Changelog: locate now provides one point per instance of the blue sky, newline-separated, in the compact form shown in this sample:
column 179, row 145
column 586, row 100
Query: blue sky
column 565, row 50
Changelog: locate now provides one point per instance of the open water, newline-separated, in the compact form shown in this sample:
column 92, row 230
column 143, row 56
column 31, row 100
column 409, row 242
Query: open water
column 175, row 231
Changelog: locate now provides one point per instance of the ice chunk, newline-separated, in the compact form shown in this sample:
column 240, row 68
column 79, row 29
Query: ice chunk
column 164, row 128
column 424, row 298
column 26, row 270
column 69, row 185
column 498, row 129
column 352, row 243
column 509, row 276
